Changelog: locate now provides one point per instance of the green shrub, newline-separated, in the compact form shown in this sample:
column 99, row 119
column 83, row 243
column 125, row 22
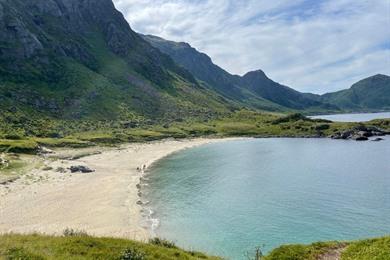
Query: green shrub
column 69, row 232
column 13, row 137
column 322, row 127
column 291, row 117
column 21, row 254
column 132, row 254
column 162, row 242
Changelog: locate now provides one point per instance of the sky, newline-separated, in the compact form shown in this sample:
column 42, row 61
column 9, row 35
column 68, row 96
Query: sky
column 313, row 46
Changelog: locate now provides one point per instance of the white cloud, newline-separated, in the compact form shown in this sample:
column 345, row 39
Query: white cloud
column 316, row 46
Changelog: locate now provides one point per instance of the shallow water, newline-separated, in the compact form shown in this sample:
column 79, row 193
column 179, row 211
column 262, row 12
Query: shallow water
column 227, row 198
column 354, row 117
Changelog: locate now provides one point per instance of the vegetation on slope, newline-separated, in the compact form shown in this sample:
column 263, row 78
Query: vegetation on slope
column 254, row 89
column 81, row 61
column 370, row 94
column 77, row 245
column 368, row 249
column 21, row 134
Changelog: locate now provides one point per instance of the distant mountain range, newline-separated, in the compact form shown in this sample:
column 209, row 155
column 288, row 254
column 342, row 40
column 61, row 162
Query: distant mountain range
column 372, row 93
column 74, row 59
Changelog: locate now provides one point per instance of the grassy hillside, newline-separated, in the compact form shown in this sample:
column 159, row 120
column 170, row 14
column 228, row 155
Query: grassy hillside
column 76, row 245
column 80, row 246
column 370, row 94
column 81, row 61
column 378, row 249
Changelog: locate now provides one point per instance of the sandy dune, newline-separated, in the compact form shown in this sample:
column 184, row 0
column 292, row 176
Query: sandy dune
column 102, row 203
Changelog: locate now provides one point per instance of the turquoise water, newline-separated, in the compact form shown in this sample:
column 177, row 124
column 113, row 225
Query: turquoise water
column 354, row 117
column 227, row 198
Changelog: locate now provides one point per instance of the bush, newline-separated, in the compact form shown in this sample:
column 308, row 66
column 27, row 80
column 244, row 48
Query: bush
column 21, row 254
column 69, row 232
column 13, row 137
column 292, row 117
column 162, row 242
column 132, row 254
column 322, row 127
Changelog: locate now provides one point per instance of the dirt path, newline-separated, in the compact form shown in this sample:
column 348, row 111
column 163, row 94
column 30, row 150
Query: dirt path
column 333, row 253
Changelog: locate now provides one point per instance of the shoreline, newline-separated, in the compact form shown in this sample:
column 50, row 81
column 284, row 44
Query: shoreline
column 104, row 203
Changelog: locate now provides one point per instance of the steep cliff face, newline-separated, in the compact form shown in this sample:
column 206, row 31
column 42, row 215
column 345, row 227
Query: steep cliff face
column 80, row 58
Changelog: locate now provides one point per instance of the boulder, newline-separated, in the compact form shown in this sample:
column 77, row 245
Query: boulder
column 376, row 133
column 80, row 168
column 377, row 139
column 359, row 138
column 3, row 162
column 43, row 150
column 365, row 133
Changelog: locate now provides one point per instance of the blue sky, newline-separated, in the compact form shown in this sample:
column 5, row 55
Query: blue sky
column 311, row 45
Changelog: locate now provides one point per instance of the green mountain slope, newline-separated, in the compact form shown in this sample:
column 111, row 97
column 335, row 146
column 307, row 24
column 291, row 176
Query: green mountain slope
column 73, row 59
column 254, row 89
column 370, row 94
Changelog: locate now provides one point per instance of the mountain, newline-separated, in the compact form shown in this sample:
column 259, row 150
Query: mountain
column 370, row 94
column 79, row 59
column 254, row 89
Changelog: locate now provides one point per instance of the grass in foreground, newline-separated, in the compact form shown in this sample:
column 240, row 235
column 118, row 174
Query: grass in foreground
column 81, row 246
column 78, row 245
column 378, row 249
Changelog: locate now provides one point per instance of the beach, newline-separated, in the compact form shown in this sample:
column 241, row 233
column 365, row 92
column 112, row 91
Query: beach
column 102, row 203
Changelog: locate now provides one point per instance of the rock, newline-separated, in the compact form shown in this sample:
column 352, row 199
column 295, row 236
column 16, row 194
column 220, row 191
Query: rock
column 80, row 168
column 46, row 7
column 365, row 133
column 3, row 162
column 347, row 134
column 359, row 138
column 44, row 150
column 376, row 133
column 377, row 139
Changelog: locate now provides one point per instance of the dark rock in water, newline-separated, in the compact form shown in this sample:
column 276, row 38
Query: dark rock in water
column 375, row 133
column 80, row 168
column 377, row 139
column 359, row 138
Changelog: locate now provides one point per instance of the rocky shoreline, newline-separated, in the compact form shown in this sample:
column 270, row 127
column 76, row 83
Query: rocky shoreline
column 361, row 133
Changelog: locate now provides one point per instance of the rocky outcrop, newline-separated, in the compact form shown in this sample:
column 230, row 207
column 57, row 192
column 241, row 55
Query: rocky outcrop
column 15, row 32
column 360, row 133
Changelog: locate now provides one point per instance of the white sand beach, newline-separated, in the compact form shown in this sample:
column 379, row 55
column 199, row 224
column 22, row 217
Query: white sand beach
column 102, row 203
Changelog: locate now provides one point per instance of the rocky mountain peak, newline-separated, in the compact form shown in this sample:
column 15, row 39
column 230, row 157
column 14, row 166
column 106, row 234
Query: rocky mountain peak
column 256, row 75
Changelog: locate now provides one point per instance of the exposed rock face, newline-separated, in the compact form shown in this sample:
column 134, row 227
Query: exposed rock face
column 58, row 26
column 22, row 42
column 49, row 7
